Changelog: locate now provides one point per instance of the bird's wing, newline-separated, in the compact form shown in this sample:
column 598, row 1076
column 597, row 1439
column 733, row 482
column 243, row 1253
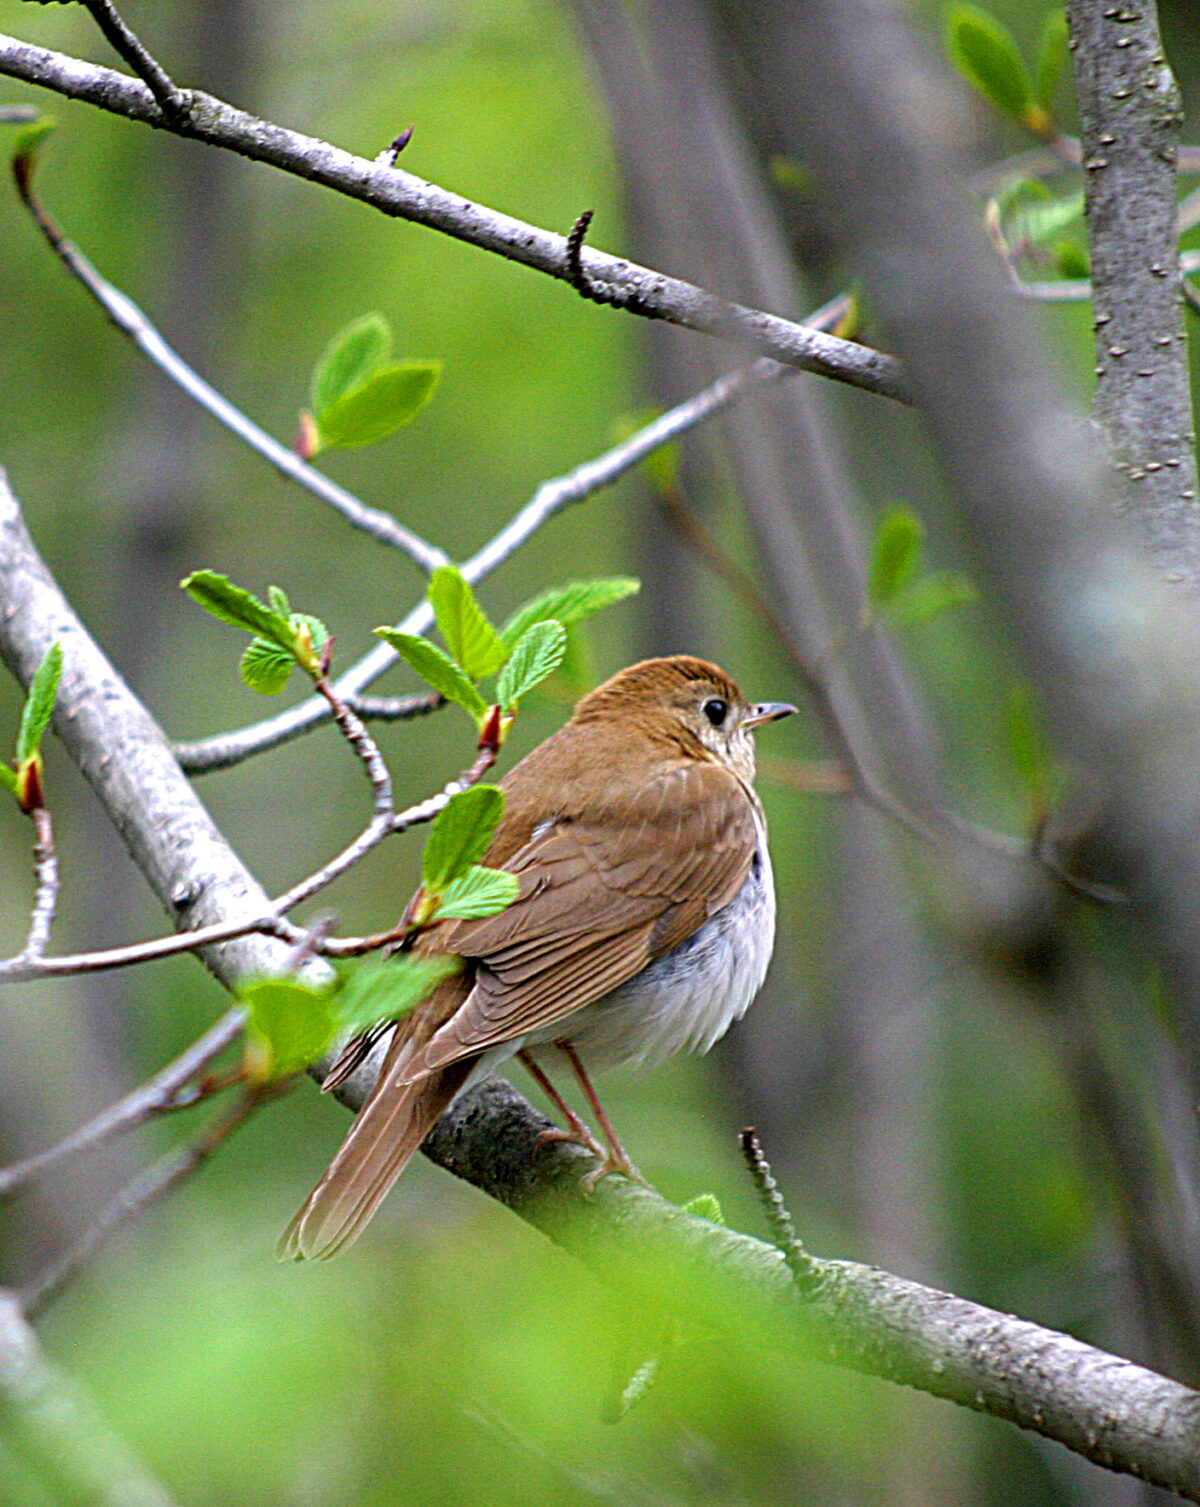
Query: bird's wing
column 601, row 897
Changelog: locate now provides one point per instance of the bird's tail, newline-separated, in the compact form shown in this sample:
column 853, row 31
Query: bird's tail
column 386, row 1133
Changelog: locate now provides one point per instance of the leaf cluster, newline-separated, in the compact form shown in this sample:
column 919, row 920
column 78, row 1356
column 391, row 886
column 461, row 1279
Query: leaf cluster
column 525, row 650
column 985, row 52
column 282, row 638
column 358, row 395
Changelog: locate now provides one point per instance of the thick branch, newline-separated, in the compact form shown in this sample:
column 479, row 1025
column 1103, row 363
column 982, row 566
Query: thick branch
column 1113, row 1412
column 1130, row 115
column 406, row 197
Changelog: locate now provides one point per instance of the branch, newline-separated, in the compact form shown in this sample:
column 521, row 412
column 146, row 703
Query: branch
column 406, row 197
column 172, row 100
column 551, row 497
column 76, row 1452
column 156, row 1096
column 1111, row 1411
column 131, row 321
column 1130, row 114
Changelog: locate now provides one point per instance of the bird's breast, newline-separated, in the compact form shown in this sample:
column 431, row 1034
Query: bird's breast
column 687, row 999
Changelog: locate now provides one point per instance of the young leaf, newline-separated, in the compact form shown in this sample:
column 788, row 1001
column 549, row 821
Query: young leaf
column 706, row 1206
column 387, row 991
column 1051, row 55
column 349, row 360
column 896, row 555
column 230, row 604
column 39, row 703
column 470, row 637
column 460, row 835
column 438, row 670
column 26, row 148
column 390, row 398
column 477, row 893
column 538, row 653
column 8, row 778
column 277, row 598
column 265, row 667
column 568, row 604
column 934, row 593
column 290, row 1026
column 986, row 55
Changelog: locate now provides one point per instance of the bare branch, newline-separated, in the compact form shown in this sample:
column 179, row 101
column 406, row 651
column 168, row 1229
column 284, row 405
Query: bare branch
column 131, row 321
column 227, row 749
column 172, row 100
column 46, row 868
column 137, row 1195
column 156, row 1096
column 1111, row 1411
column 406, row 197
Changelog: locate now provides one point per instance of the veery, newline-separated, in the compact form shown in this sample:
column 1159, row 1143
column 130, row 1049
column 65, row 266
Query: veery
column 643, row 925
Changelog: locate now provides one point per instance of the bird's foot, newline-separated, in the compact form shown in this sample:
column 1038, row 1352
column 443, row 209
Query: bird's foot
column 612, row 1160
column 576, row 1134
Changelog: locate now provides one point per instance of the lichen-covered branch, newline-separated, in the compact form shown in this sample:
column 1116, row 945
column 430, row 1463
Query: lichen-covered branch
column 1130, row 114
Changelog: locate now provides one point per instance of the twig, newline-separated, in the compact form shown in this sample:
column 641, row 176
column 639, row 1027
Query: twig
column 138, row 1194
column 45, row 862
column 158, row 1095
column 805, row 1269
column 19, row 115
column 356, row 734
column 228, row 749
column 407, row 197
column 131, row 321
column 172, row 100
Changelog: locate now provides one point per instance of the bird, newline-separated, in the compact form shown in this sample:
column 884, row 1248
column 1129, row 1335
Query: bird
column 642, row 927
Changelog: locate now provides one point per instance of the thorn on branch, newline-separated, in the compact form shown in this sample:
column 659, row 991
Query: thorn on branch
column 806, row 1270
column 583, row 282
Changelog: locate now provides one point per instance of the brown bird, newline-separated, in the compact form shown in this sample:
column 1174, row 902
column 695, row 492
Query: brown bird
column 643, row 925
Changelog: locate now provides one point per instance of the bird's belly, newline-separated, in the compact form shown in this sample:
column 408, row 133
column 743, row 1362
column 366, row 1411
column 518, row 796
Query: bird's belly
column 687, row 999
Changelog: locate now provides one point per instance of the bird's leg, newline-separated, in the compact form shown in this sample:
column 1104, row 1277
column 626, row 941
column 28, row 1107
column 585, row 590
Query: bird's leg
column 616, row 1159
column 576, row 1132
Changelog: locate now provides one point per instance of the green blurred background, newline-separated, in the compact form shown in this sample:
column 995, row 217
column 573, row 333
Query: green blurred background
column 454, row 1356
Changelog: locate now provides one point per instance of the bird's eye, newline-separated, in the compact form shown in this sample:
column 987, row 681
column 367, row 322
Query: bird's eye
column 715, row 710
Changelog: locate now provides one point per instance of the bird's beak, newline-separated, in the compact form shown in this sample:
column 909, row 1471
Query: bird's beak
column 767, row 711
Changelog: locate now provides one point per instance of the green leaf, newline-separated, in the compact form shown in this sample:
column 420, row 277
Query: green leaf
column 390, row 398
column 377, row 991
column 39, row 703
column 569, row 604
column 662, row 463
column 538, row 653
column 8, row 778
column 265, row 667
column 349, row 359
column 706, row 1206
column 277, row 598
column 290, row 1026
column 986, row 55
column 1028, row 745
column 230, row 604
column 1051, row 55
column 938, row 592
column 26, row 148
column 1071, row 259
column 1037, row 223
column 438, row 670
column 895, row 556
column 477, row 893
column 470, row 637
column 460, row 835
column 791, row 175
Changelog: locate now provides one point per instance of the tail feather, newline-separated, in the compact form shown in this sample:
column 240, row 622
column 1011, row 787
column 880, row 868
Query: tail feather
column 382, row 1141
